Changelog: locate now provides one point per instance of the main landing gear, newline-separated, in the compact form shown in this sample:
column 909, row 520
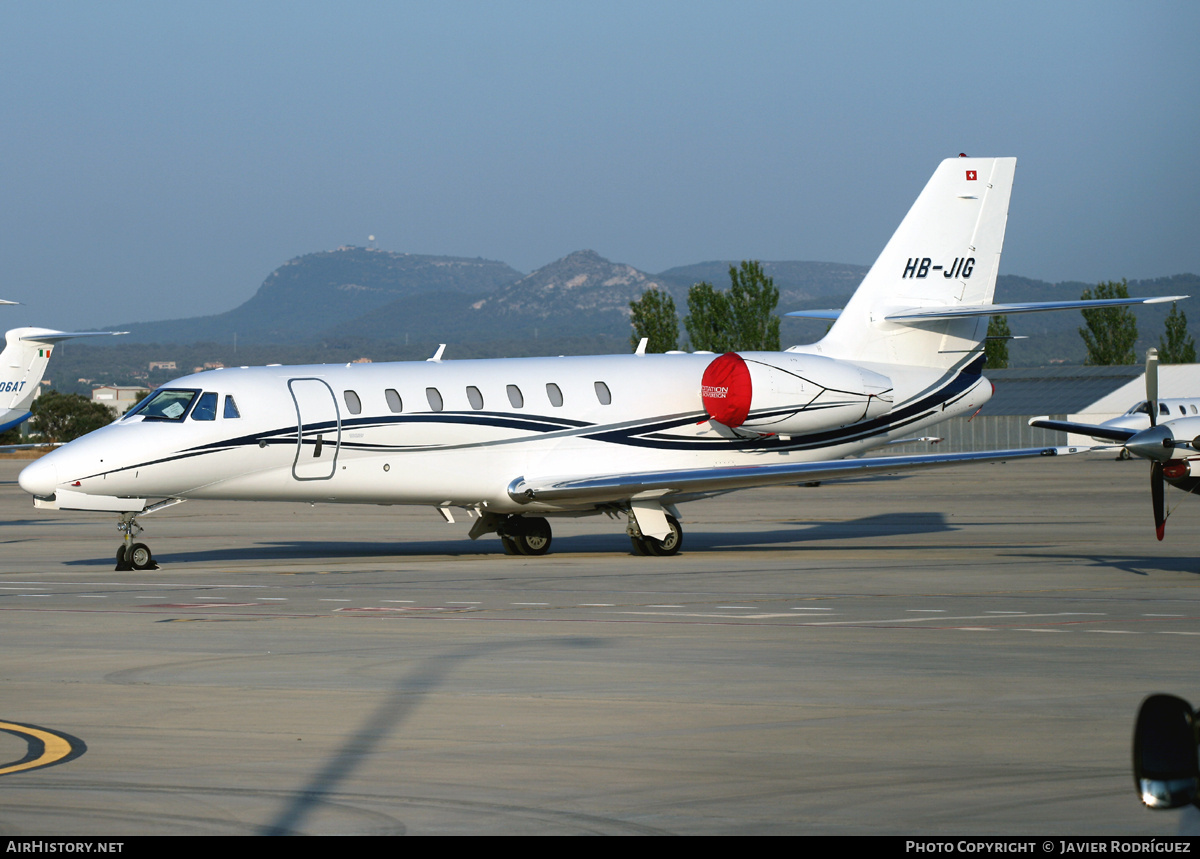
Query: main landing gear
column 643, row 545
column 525, row 535
column 131, row 555
column 530, row 535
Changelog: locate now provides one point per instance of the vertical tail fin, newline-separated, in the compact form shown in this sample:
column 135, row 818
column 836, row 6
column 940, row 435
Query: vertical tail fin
column 22, row 365
column 945, row 253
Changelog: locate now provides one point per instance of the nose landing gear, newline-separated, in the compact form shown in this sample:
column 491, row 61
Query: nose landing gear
column 131, row 555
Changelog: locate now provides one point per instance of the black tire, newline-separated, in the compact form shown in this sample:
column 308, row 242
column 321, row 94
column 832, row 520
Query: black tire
column 140, row 557
column 535, row 536
column 122, row 566
column 639, row 545
column 510, row 545
column 669, row 546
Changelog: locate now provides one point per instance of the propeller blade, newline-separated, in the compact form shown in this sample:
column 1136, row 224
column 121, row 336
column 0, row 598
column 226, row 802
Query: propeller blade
column 1156, row 495
column 1152, row 386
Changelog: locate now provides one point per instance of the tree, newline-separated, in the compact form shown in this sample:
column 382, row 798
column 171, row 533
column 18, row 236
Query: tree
column 653, row 316
column 65, row 417
column 709, row 322
column 1176, row 345
column 996, row 350
column 742, row 318
column 752, row 300
column 1111, row 332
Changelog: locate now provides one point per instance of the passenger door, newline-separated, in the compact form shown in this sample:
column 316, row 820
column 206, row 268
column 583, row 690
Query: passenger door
column 318, row 429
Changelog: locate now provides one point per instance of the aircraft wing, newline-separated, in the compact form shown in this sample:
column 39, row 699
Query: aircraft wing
column 1120, row 434
column 699, row 481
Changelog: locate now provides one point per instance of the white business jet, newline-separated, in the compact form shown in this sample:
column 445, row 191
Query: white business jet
column 22, row 365
column 515, row 441
column 1170, row 441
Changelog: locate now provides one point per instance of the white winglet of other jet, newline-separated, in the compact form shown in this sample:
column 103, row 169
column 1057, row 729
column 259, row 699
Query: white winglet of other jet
column 515, row 442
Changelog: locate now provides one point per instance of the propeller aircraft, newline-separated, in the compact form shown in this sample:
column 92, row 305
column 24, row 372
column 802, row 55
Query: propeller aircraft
column 1172, row 446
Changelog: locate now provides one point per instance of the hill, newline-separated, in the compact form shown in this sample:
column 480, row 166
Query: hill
column 348, row 303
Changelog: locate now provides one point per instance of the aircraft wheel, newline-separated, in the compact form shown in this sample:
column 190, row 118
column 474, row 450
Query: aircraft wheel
column 510, row 545
column 639, row 545
column 534, row 538
column 140, row 558
column 1124, row 454
column 671, row 544
column 122, row 564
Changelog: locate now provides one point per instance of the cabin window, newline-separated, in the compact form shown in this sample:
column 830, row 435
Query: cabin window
column 1163, row 410
column 231, row 409
column 515, row 397
column 435, row 399
column 1182, row 410
column 474, row 397
column 164, row 405
column 555, row 395
column 353, row 403
column 206, row 407
column 393, row 400
column 1193, row 408
column 602, row 394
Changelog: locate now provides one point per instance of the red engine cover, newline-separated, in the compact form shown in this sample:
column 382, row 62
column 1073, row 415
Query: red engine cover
column 726, row 390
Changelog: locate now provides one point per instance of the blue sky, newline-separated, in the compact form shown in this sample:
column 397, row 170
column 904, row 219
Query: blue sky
column 160, row 159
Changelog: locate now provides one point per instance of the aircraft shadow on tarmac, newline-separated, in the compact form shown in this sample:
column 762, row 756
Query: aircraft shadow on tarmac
column 1138, row 565
column 405, row 696
column 799, row 534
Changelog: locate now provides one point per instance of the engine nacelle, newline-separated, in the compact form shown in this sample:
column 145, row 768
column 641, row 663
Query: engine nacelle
column 791, row 393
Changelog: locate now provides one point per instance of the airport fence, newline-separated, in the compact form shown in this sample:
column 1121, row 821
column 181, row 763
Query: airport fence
column 990, row 432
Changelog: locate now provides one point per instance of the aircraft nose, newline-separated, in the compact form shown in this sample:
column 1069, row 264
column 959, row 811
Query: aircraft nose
column 39, row 478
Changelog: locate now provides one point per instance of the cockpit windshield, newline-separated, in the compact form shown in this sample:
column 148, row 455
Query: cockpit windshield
column 164, row 405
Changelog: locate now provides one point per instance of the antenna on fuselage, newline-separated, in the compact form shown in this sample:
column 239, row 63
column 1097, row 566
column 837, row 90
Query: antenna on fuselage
column 437, row 356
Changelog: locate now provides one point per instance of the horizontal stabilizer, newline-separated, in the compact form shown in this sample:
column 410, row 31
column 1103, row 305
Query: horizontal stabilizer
column 957, row 312
column 664, row 484
column 1111, row 433
column 816, row 314
column 59, row 336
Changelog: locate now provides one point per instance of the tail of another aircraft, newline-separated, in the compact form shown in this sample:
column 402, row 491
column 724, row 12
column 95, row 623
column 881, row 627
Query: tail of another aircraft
column 22, row 365
column 944, row 256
